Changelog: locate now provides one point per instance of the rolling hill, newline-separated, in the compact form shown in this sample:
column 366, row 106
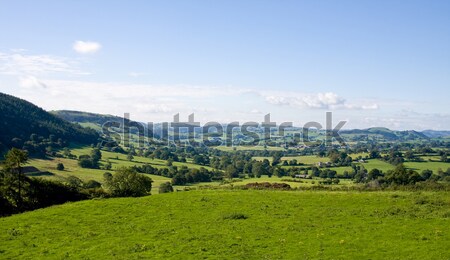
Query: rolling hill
column 19, row 119
column 384, row 133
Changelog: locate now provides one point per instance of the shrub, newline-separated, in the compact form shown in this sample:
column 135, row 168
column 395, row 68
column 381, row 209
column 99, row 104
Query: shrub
column 165, row 187
column 85, row 163
column 267, row 185
column 60, row 167
column 128, row 183
column 91, row 184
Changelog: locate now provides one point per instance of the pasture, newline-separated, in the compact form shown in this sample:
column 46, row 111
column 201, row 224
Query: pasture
column 239, row 224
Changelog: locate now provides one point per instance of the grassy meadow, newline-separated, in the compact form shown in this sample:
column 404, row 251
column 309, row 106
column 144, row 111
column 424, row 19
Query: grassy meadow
column 236, row 224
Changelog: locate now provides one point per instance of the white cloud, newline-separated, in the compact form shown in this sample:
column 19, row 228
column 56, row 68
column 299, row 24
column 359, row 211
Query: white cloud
column 158, row 103
column 20, row 64
column 255, row 111
column 86, row 47
column 328, row 100
column 31, row 82
column 143, row 101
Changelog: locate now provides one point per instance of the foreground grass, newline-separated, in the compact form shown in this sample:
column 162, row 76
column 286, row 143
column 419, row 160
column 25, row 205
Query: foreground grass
column 236, row 225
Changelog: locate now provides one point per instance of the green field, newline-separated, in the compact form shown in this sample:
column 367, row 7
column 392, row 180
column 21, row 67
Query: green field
column 236, row 225
column 249, row 148
column 299, row 183
column 306, row 159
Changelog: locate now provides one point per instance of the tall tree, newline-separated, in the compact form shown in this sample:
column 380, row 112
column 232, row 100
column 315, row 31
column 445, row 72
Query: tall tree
column 14, row 160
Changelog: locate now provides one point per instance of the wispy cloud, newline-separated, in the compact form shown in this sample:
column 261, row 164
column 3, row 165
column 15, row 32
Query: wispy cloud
column 144, row 101
column 19, row 64
column 136, row 74
column 31, row 82
column 86, row 47
column 328, row 100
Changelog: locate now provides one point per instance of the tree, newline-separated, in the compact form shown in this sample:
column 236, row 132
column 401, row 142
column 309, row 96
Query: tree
column 374, row 174
column 107, row 165
column 66, row 152
column 293, row 162
column 60, row 167
column 401, row 176
column 169, row 162
column 444, row 157
column 13, row 162
column 34, row 138
column 165, row 187
column 96, row 155
column 179, row 179
column 107, row 176
column 258, row 169
column 91, row 184
column 426, row 174
column 130, row 157
column 85, row 162
column 128, row 183
column 276, row 158
column 231, row 172
column 374, row 154
column 279, row 172
column 199, row 159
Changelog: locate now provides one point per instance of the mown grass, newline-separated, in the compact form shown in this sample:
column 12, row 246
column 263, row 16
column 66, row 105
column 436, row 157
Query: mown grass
column 236, row 225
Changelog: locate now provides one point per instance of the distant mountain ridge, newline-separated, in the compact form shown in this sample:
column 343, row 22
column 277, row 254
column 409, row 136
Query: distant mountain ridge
column 391, row 135
column 382, row 132
column 436, row 134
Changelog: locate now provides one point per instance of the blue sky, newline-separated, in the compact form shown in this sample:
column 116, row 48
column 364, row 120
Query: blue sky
column 372, row 63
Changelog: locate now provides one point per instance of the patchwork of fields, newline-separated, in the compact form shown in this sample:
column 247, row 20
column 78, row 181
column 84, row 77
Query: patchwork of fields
column 119, row 160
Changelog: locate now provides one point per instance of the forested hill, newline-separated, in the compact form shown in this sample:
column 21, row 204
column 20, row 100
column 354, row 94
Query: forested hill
column 94, row 121
column 21, row 121
column 85, row 117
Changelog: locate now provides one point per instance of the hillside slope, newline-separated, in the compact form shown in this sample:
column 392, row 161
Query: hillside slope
column 86, row 117
column 236, row 225
column 385, row 133
column 19, row 119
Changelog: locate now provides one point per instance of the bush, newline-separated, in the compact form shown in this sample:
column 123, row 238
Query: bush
column 267, row 185
column 85, row 163
column 165, row 187
column 128, row 183
column 60, row 167
column 91, row 184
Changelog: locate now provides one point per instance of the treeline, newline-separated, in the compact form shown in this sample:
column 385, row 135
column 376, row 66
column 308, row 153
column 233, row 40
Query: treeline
column 399, row 176
column 181, row 175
